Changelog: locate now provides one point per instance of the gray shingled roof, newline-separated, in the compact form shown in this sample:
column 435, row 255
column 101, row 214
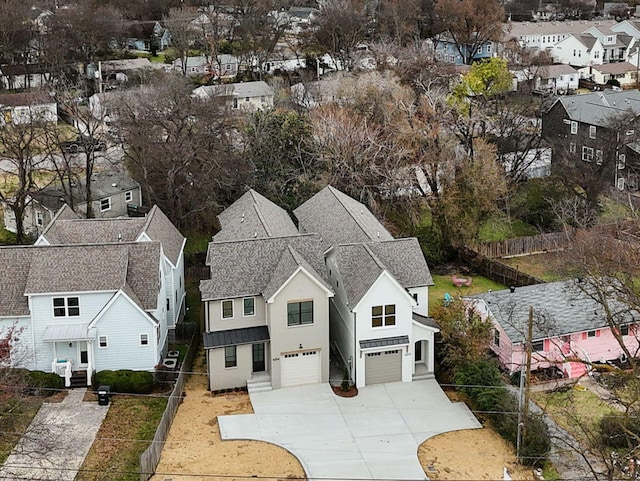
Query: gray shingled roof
column 587, row 40
column 384, row 341
column 427, row 321
column 553, row 71
column 103, row 184
column 251, row 216
column 78, row 268
column 234, row 337
column 64, row 231
column 559, row 309
column 259, row 266
column 361, row 264
column 160, row 228
column 339, row 219
column 599, row 108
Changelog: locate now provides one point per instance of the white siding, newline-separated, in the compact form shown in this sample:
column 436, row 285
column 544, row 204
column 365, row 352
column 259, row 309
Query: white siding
column 22, row 352
column 123, row 323
column 342, row 319
column 42, row 316
column 383, row 292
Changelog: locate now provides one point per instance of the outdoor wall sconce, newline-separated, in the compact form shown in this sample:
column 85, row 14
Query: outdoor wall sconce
column 300, row 346
column 71, row 344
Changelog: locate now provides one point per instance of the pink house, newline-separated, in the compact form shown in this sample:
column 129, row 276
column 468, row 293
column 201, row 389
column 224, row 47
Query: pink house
column 569, row 328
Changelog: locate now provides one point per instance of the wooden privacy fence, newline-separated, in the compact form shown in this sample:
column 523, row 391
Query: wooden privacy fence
column 497, row 271
column 519, row 246
column 150, row 458
column 555, row 241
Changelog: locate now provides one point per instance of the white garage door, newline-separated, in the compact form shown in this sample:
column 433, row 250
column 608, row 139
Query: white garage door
column 384, row 366
column 300, row 368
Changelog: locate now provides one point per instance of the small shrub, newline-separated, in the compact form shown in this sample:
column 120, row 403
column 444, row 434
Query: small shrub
column 44, row 383
column 125, row 381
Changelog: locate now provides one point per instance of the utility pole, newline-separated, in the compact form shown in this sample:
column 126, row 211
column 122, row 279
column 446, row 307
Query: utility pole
column 525, row 383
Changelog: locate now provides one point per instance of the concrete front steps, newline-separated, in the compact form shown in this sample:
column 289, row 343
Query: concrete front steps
column 259, row 382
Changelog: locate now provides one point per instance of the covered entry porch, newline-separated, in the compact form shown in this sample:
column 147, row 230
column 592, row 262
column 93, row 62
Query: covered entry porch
column 73, row 356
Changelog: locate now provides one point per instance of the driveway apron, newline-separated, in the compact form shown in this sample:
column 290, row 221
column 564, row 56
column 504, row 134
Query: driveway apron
column 374, row 435
column 57, row 440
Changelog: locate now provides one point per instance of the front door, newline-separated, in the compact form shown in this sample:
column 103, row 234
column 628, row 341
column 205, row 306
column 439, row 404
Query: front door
column 83, row 354
column 258, row 357
column 418, row 351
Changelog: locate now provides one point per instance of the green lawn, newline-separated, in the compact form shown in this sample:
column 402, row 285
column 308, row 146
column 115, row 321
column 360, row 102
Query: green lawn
column 501, row 228
column 125, row 434
column 567, row 407
column 15, row 416
column 443, row 284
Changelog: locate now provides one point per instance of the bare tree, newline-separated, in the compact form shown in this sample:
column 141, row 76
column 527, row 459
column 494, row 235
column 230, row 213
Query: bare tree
column 183, row 33
column 338, row 29
column 181, row 150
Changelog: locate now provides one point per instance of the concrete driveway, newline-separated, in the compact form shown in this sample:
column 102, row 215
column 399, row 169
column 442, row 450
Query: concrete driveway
column 57, row 440
column 374, row 435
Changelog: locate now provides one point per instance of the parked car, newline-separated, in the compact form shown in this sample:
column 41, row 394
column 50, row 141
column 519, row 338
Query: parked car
column 83, row 143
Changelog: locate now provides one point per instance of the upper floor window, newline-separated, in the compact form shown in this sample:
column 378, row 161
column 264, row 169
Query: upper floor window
column 105, row 204
column 537, row 346
column 624, row 330
column 248, row 306
column 128, row 196
column 574, row 127
column 66, row 306
column 383, row 315
column 227, row 309
column 144, row 339
column 599, row 157
column 592, row 131
column 587, row 154
column 622, row 161
column 39, row 219
column 299, row 313
column 496, row 338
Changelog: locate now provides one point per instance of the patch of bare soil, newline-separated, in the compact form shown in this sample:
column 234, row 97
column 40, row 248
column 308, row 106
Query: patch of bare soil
column 194, row 446
column 470, row 454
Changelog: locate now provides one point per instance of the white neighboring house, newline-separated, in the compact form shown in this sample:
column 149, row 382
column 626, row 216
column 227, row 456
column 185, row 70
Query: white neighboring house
column 616, row 45
column 244, row 96
column 25, row 107
column 223, row 66
column 379, row 315
column 86, row 299
column 557, row 78
column 544, row 35
column 68, row 229
column 579, row 51
column 14, row 77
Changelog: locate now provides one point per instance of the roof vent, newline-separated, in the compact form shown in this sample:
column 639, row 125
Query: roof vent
column 242, row 219
column 378, row 234
column 512, row 289
column 114, row 185
column 255, row 234
column 119, row 237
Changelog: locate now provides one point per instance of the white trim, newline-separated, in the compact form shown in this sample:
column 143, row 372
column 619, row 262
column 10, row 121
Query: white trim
column 313, row 279
column 393, row 279
column 254, row 306
column 222, row 316
column 106, row 307
column 65, row 306
column 142, row 344
column 103, row 209
column 67, row 293
column 106, row 342
column 129, row 194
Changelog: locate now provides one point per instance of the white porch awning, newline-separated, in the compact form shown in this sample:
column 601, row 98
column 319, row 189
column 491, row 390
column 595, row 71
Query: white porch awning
column 68, row 332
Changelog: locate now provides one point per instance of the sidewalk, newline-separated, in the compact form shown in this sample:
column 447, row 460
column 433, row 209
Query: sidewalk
column 57, row 440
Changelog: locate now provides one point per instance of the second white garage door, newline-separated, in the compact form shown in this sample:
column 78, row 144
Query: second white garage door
column 384, row 366
column 300, row 368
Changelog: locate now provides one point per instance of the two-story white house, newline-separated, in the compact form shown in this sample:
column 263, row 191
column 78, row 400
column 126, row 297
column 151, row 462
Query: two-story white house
column 68, row 229
column 379, row 314
column 267, row 301
column 84, row 308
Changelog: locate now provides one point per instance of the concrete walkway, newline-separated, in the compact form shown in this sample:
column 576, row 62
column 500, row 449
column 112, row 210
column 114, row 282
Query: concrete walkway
column 374, row 435
column 57, row 440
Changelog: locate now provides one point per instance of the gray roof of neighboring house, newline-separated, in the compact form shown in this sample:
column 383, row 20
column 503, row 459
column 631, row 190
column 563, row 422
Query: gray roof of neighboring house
column 614, row 68
column 361, row 264
column 339, row 218
column 70, row 231
column 125, row 64
column 234, row 337
column 560, row 308
column 587, row 40
column 20, row 99
column 78, row 268
column 599, row 108
column 242, row 89
column 518, row 29
column 260, row 266
column 253, row 216
column 103, row 184
column 554, row 71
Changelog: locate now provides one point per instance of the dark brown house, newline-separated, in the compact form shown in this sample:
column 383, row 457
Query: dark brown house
column 595, row 135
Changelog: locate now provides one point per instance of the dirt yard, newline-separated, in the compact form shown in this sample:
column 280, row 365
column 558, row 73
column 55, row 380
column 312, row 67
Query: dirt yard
column 194, row 447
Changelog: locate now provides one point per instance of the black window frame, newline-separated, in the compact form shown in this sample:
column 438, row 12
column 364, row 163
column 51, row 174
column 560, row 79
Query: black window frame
column 300, row 313
column 230, row 357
